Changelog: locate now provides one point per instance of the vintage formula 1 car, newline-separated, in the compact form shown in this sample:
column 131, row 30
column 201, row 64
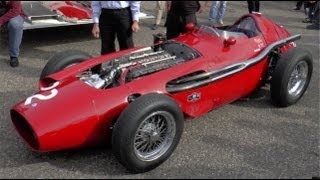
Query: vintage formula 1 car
column 137, row 99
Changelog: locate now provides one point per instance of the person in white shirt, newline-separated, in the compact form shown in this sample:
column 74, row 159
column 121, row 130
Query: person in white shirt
column 115, row 19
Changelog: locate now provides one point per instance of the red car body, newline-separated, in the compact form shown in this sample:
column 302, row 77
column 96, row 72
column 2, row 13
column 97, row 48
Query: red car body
column 67, row 113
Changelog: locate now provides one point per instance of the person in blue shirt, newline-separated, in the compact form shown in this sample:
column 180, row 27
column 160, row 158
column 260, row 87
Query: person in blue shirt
column 115, row 19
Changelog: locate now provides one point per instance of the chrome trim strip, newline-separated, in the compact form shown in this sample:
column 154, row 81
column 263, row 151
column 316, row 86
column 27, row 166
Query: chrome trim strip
column 231, row 69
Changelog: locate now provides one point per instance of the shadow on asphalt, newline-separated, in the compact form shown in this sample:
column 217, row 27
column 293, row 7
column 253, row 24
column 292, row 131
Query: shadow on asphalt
column 92, row 161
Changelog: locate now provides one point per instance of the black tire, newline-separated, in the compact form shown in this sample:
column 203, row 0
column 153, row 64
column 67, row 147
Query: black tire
column 62, row 60
column 292, row 59
column 136, row 115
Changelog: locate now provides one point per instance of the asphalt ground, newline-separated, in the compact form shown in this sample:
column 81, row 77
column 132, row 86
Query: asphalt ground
column 245, row 139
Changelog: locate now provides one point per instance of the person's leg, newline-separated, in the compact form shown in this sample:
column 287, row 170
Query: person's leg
column 222, row 9
column 15, row 29
column 173, row 28
column 250, row 6
column 123, row 29
column 160, row 8
column 257, row 6
column 107, row 32
column 307, row 8
column 316, row 15
column 213, row 13
column 315, row 21
column 311, row 11
column 298, row 5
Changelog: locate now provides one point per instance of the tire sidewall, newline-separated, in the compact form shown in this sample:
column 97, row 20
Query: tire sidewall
column 62, row 60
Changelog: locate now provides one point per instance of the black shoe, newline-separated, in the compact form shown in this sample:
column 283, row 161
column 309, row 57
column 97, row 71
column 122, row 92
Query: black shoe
column 14, row 62
column 154, row 27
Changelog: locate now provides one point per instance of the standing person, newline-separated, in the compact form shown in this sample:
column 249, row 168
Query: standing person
column 216, row 13
column 315, row 18
column 115, row 19
column 179, row 15
column 309, row 11
column 253, row 6
column 13, row 18
column 160, row 6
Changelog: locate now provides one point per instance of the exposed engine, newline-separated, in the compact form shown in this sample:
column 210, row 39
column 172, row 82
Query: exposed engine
column 139, row 63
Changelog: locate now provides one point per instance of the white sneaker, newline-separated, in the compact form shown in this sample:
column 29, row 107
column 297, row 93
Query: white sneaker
column 220, row 23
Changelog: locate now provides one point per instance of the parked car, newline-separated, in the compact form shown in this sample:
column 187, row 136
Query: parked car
column 137, row 99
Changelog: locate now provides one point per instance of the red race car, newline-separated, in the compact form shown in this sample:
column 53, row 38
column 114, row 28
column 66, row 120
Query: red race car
column 137, row 99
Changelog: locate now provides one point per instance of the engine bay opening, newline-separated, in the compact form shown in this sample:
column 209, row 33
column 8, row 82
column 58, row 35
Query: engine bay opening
column 24, row 129
column 138, row 63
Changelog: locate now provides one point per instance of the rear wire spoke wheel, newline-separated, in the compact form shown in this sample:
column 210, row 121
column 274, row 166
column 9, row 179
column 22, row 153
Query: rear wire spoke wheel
column 291, row 77
column 298, row 78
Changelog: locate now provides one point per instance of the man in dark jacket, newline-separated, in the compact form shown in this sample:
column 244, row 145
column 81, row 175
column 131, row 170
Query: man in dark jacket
column 314, row 17
column 115, row 19
column 180, row 13
column 13, row 19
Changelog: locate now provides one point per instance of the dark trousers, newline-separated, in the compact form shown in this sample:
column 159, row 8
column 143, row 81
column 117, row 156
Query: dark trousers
column 316, row 15
column 299, row 4
column 253, row 6
column 176, row 24
column 115, row 23
column 312, row 7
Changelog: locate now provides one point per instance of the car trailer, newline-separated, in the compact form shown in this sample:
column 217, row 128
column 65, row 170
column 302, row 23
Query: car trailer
column 46, row 14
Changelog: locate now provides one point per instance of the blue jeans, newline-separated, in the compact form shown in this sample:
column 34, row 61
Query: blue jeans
column 217, row 11
column 15, row 30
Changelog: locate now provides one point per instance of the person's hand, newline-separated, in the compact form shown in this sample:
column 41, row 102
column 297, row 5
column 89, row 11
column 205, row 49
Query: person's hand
column 135, row 26
column 96, row 30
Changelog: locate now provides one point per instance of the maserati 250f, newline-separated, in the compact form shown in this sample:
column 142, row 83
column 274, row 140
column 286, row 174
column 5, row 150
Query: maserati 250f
column 137, row 99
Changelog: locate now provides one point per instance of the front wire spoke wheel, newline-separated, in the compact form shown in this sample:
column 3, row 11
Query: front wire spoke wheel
column 159, row 131
column 147, row 132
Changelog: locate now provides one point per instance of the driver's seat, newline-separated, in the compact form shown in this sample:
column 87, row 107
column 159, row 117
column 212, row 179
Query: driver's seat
column 246, row 25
